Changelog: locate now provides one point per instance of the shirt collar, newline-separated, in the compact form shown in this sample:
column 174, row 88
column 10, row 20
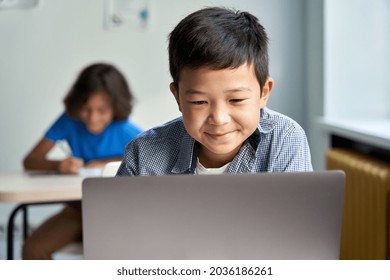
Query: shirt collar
column 186, row 159
column 266, row 124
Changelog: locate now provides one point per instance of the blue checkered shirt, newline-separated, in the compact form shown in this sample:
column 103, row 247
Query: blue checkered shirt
column 279, row 144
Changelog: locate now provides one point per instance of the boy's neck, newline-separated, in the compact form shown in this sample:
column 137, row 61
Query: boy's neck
column 209, row 160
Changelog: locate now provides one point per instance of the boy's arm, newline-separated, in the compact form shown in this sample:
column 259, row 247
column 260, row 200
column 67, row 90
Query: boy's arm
column 129, row 165
column 294, row 154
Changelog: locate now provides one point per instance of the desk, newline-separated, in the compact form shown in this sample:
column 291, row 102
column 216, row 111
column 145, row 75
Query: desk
column 29, row 188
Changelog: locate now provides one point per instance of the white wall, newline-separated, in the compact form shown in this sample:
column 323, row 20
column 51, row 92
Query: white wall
column 348, row 70
column 357, row 64
column 43, row 49
column 314, row 81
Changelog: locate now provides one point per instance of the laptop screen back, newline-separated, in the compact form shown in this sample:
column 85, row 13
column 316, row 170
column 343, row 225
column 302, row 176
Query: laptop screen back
column 243, row 216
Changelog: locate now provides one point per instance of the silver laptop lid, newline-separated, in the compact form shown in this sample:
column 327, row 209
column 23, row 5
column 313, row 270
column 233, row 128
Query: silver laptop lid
column 243, row 216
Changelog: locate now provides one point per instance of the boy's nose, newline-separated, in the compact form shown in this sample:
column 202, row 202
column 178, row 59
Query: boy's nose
column 219, row 115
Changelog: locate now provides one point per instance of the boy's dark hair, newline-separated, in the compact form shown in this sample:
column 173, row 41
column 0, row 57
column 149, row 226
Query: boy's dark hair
column 218, row 38
column 100, row 77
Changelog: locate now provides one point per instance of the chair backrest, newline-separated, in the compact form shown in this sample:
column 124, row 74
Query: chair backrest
column 110, row 169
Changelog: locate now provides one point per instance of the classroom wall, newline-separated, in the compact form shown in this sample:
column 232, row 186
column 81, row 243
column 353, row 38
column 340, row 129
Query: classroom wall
column 314, row 81
column 357, row 52
column 347, row 66
column 43, row 49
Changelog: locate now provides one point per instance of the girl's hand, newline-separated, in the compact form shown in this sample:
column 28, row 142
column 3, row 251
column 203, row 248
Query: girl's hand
column 96, row 164
column 101, row 163
column 70, row 165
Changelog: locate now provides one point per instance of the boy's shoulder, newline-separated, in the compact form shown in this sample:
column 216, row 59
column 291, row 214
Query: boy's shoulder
column 272, row 121
column 163, row 143
column 170, row 130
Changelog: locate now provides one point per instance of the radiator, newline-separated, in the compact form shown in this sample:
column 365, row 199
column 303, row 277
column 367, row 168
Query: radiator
column 364, row 230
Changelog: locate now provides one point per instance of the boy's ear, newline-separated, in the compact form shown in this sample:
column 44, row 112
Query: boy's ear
column 266, row 91
column 175, row 93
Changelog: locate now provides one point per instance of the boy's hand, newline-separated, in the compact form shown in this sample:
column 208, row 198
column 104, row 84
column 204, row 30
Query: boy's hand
column 70, row 165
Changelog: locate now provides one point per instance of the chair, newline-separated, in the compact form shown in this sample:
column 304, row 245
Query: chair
column 110, row 169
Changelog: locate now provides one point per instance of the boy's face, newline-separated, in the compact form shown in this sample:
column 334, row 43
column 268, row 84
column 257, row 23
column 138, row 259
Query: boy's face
column 221, row 109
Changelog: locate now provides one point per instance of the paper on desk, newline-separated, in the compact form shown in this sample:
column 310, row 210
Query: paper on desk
column 90, row 172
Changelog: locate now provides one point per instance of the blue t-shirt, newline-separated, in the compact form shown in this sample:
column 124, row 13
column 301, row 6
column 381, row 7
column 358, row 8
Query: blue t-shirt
column 110, row 143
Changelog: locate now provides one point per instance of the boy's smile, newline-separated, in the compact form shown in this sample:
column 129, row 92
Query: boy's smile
column 221, row 109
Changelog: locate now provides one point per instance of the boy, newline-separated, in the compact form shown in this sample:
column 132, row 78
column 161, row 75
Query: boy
column 219, row 64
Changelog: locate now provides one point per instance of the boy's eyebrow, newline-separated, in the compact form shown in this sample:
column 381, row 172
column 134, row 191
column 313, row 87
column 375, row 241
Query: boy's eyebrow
column 238, row 89
column 193, row 91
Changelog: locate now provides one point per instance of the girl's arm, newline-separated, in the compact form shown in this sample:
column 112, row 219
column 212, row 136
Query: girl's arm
column 36, row 160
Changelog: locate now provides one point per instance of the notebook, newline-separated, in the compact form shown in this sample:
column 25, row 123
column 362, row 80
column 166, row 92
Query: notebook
column 270, row 216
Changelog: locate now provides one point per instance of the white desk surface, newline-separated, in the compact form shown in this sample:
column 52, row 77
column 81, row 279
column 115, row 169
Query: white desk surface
column 24, row 187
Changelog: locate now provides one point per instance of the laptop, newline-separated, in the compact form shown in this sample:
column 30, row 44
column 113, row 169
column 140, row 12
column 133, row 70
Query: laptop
column 273, row 216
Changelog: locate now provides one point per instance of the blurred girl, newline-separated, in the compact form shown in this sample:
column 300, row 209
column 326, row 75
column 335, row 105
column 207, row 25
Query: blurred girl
column 95, row 124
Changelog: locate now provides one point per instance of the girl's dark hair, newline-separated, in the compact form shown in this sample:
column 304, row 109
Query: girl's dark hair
column 100, row 77
column 218, row 38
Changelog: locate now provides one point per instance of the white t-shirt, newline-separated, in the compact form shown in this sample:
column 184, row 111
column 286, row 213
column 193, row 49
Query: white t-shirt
column 201, row 170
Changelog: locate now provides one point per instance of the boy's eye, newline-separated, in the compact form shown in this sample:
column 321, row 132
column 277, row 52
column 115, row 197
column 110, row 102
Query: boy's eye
column 236, row 100
column 198, row 102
